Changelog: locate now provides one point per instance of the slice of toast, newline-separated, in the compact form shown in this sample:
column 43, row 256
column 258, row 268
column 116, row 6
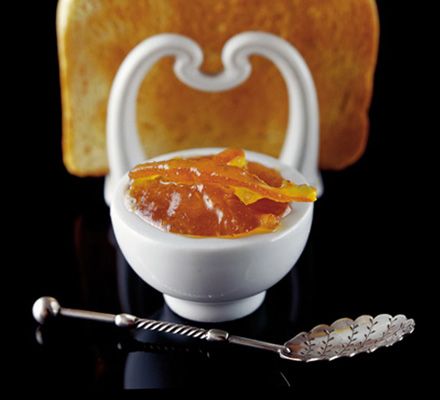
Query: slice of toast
column 338, row 39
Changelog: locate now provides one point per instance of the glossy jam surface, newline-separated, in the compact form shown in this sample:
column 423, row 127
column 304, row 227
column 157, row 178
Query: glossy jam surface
column 222, row 195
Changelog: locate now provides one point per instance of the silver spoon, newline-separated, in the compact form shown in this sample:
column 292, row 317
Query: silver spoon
column 343, row 338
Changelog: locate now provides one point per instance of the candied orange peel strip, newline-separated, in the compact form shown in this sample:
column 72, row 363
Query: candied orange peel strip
column 228, row 169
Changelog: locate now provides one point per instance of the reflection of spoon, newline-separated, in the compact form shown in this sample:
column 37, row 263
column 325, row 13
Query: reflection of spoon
column 344, row 337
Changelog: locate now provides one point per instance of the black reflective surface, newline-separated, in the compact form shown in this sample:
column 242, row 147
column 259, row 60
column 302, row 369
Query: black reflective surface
column 367, row 254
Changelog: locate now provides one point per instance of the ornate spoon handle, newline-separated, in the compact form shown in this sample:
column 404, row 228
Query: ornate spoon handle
column 46, row 307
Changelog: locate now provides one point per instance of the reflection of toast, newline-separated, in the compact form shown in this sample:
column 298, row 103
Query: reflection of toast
column 338, row 40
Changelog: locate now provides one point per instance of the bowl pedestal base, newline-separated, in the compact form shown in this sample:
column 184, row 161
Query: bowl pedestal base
column 215, row 312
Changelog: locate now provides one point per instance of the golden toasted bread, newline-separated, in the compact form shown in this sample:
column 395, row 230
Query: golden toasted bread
column 338, row 39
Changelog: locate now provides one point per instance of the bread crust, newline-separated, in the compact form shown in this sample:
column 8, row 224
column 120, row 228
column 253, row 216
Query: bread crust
column 338, row 39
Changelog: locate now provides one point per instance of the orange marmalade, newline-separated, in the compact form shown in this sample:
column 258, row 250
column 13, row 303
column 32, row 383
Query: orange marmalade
column 222, row 195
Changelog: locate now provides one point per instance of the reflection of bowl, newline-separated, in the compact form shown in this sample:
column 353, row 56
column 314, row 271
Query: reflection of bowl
column 212, row 279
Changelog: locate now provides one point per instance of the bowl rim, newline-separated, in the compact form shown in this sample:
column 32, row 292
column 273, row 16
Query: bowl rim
column 119, row 210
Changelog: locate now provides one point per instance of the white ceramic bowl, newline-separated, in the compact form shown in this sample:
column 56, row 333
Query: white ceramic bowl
column 212, row 279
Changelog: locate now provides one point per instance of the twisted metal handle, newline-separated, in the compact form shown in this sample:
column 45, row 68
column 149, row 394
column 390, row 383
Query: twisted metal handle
column 171, row 327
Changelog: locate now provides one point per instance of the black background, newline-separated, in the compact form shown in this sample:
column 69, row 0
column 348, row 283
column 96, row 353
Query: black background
column 370, row 249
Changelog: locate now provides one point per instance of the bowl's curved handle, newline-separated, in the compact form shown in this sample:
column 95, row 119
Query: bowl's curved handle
column 301, row 144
